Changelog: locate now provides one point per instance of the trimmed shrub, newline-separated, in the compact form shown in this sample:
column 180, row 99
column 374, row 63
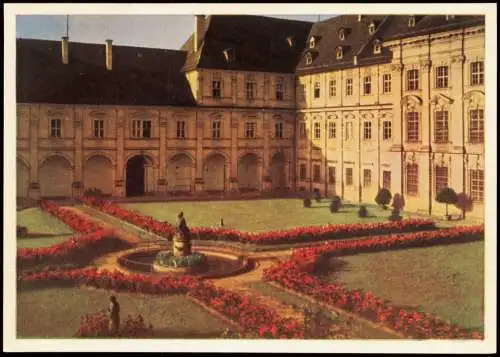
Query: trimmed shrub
column 335, row 204
column 21, row 231
column 395, row 216
column 464, row 203
column 398, row 202
column 383, row 197
column 317, row 195
column 447, row 196
column 307, row 202
column 363, row 212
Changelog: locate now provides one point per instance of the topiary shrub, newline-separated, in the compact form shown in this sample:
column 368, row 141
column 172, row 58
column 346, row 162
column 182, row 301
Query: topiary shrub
column 317, row 195
column 447, row 196
column 464, row 203
column 307, row 202
column 21, row 231
column 395, row 216
column 383, row 197
column 398, row 202
column 335, row 204
column 363, row 212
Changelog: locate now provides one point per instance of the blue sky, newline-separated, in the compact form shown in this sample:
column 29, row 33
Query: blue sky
column 160, row 31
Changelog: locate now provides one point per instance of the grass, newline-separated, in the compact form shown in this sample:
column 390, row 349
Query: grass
column 37, row 242
column 39, row 221
column 56, row 312
column 444, row 280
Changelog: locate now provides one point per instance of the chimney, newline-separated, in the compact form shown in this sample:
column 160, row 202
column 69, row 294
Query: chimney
column 64, row 50
column 109, row 55
column 198, row 31
column 360, row 17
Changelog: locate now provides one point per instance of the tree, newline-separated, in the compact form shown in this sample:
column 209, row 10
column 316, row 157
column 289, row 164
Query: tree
column 447, row 196
column 383, row 197
column 464, row 203
column 307, row 202
column 398, row 202
column 335, row 204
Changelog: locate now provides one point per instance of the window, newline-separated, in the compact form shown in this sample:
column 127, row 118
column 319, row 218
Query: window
column 348, row 86
column 332, row 88
column 136, row 128
column 278, row 130
column 250, row 129
column 371, row 28
column 477, row 185
column 280, row 90
column 302, row 129
column 367, row 130
column 303, row 171
column 216, row 129
column 348, row 176
column 386, row 180
column 412, row 179
column 477, row 73
column 476, row 126
column 216, row 87
column 98, row 128
column 146, row 128
column 440, row 178
column 386, row 85
column 339, row 53
column 367, row 85
column 332, row 130
column 332, row 175
column 387, row 130
column 55, row 128
column 411, row 21
column 301, row 90
column 450, row 17
column 317, row 130
column 317, row 90
column 316, row 173
column 181, row 129
column 367, row 178
column 442, row 77
column 348, row 131
column 412, row 79
column 341, row 34
column 141, row 128
column 312, row 42
column 441, row 127
column 309, row 58
column 251, row 88
column 377, row 47
column 412, row 127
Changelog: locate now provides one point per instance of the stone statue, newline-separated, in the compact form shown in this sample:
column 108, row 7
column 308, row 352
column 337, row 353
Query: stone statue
column 182, row 240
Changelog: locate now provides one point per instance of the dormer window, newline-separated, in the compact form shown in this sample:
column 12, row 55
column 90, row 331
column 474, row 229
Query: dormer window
column 229, row 54
column 312, row 42
column 371, row 28
column 339, row 52
column 377, row 47
column 450, row 17
column 342, row 34
column 360, row 17
column 309, row 59
column 291, row 41
column 411, row 21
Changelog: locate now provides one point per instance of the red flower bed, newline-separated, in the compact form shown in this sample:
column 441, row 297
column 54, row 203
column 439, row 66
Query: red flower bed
column 97, row 325
column 299, row 234
column 296, row 274
column 77, row 222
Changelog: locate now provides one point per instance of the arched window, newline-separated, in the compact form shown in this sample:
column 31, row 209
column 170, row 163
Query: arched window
column 339, row 52
column 312, row 42
column 371, row 28
column 377, row 47
column 309, row 59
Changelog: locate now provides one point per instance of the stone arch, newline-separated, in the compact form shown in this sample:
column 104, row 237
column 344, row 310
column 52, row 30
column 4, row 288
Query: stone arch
column 98, row 173
column 214, row 172
column 93, row 154
column 277, row 171
column 152, row 160
column 57, row 154
column 22, row 177
column 56, row 176
column 139, row 174
column 249, row 172
column 180, row 172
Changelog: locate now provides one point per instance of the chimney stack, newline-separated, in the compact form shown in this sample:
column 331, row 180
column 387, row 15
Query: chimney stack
column 198, row 31
column 109, row 55
column 65, row 50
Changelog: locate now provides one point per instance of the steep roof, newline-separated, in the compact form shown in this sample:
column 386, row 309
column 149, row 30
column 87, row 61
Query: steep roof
column 139, row 76
column 258, row 43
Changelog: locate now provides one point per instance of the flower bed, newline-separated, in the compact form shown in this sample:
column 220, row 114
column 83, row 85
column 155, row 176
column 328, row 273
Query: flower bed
column 77, row 222
column 97, row 325
column 300, row 234
column 296, row 274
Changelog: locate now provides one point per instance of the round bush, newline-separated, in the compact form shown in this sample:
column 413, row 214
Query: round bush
column 383, row 197
column 21, row 231
column 335, row 204
column 395, row 216
column 363, row 212
column 307, row 202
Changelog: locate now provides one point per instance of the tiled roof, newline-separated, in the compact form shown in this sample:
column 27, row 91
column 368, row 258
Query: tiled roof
column 140, row 76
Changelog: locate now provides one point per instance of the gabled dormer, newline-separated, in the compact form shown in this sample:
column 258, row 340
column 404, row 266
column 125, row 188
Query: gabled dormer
column 313, row 40
column 372, row 27
column 290, row 40
column 377, row 46
column 342, row 33
column 229, row 54
column 339, row 52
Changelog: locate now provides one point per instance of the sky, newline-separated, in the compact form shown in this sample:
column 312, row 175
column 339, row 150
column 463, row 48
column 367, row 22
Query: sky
column 158, row 31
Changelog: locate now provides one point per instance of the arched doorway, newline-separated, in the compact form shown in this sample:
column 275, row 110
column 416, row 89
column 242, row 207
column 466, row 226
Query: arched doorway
column 22, row 179
column 278, row 171
column 214, row 173
column 138, row 175
column 180, row 173
column 248, row 173
column 98, row 173
column 56, row 177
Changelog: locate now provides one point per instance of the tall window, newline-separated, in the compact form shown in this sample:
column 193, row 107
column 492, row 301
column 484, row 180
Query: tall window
column 477, row 185
column 332, row 130
column 98, row 128
column 477, row 73
column 386, row 85
column 316, row 173
column 280, row 90
column 181, row 129
column 278, row 130
column 348, row 86
column 367, row 85
column 317, row 90
column 442, row 77
column 440, row 178
column 332, row 88
column 216, row 87
column 348, row 131
column 367, row 130
column 302, row 129
column 412, row 79
column 367, row 178
column 441, row 127
column 216, row 129
column 386, row 180
column 141, row 129
column 250, row 127
column 349, row 176
column 412, row 179
column 332, row 175
column 303, row 171
column 251, row 88
column 55, row 128
column 412, row 127
column 476, row 126
column 387, row 130
column 317, row 130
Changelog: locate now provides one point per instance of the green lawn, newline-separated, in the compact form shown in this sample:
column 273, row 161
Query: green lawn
column 37, row 242
column 256, row 215
column 444, row 280
column 41, row 222
column 55, row 313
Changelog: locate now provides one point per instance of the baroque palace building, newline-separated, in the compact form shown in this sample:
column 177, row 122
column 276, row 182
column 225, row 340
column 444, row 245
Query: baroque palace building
column 252, row 103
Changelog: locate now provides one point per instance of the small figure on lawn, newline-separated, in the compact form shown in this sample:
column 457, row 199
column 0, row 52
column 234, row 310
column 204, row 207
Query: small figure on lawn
column 222, row 222
column 114, row 314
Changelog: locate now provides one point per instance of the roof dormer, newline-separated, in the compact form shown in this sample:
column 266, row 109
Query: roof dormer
column 371, row 28
column 343, row 32
column 411, row 21
column 313, row 40
column 450, row 17
column 229, row 54
column 360, row 17
column 377, row 46
column 339, row 52
column 291, row 41
column 309, row 58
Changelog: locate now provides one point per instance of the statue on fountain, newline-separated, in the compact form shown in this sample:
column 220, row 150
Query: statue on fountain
column 182, row 239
